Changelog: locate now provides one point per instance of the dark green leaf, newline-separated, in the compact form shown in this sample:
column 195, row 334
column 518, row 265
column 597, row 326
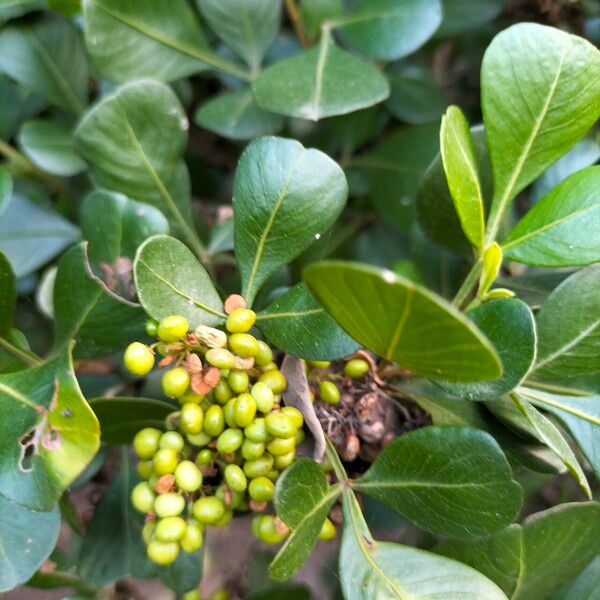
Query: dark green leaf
column 449, row 480
column 298, row 325
column 315, row 12
column 285, row 197
column 510, row 326
column 561, row 229
column 403, row 322
column 534, row 285
column 8, row 295
column 6, row 188
column 586, row 586
column 462, row 15
column 302, row 500
column 10, row 9
column 531, row 560
column 27, row 538
column 170, row 280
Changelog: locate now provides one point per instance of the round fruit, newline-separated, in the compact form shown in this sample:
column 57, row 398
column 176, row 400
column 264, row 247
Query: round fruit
column 244, row 344
column 208, row 509
column 252, row 450
column 192, row 595
column 148, row 531
column 327, row 531
column 199, row 439
column 319, row 364
column 275, row 379
column 220, row 358
column 191, row 418
column 188, row 476
column 281, row 446
column 190, row 398
column 170, row 529
column 162, row 553
column 238, row 381
column 280, row 425
column 165, row 461
column 138, row 359
column 264, row 397
column 230, row 440
column 142, row 497
column 222, row 392
column 172, row 328
column 169, row 505
column 329, row 392
column 240, row 320
column 284, row 461
column 214, row 421
column 267, row 531
column 224, row 520
column 257, row 431
column 244, row 410
column 171, row 439
column 205, row 457
column 258, row 467
column 229, row 412
column 261, row 489
column 151, row 327
column 192, row 540
column 145, row 468
column 294, row 414
column 356, row 368
column 235, row 478
column 264, row 356
column 175, row 382
column 146, row 441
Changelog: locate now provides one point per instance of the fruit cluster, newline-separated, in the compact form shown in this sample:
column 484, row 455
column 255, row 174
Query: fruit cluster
column 322, row 380
column 224, row 449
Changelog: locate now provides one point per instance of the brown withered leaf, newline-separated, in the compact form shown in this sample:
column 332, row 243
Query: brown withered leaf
column 166, row 361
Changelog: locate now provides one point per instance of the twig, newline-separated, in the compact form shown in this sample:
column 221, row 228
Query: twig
column 296, row 19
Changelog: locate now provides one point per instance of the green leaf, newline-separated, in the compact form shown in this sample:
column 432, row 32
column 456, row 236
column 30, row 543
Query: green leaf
column 459, row 158
column 548, row 433
column 315, row 12
column 10, row 9
column 452, row 481
column 390, row 29
column 134, row 140
column 298, row 325
column 248, row 27
column 533, row 559
column 49, row 146
column 372, row 570
column 510, row 327
column 394, row 170
column 462, row 15
column 31, row 234
column 48, row 58
column 302, row 500
column 84, row 310
column 170, row 280
column 403, row 322
column 540, row 95
column 561, row 229
column 6, row 188
column 27, row 538
column 285, row 197
column 580, row 415
column 315, row 84
column 8, row 295
column 67, row 7
column 121, row 418
column 586, row 586
column 569, row 333
column 435, row 208
column 235, row 116
column 48, row 433
column 161, row 39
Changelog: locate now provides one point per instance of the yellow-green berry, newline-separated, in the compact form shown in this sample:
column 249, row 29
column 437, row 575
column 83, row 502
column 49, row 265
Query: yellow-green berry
column 294, row 414
column 170, row 529
column 329, row 392
column 235, row 478
column 172, row 328
column 171, row 439
column 192, row 540
column 356, row 368
column 175, row 382
column 162, row 553
column 261, row 489
column 188, row 476
column 191, row 418
column 280, row 425
column 230, row 440
column 240, row 320
column 214, row 421
column 327, row 531
column 220, row 358
column 238, row 381
column 244, row 410
column 138, row 359
column 142, row 497
column 244, row 344
column 264, row 355
column 145, row 442
column 275, row 379
column 264, row 397
column 169, row 505
column 208, row 509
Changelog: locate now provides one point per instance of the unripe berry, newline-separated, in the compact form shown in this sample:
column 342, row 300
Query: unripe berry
column 188, row 476
column 190, row 398
column 244, row 410
column 199, row 439
column 319, row 364
column 142, row 497
column 225, row 519
column 172, row 328
column 261, row 489
column 191, row 418
column 214, row 421
column 230, row 440
column 280, row 425
column 148, row 531
column 294, row 414
column 205, row 457
column 281, row 446
column 171, row 439
column 238, row 381
column 162, row 553
column 170, row 529
column 257, row 431
column 356, row 368
column 145, row 468
column 220, row 358
column 240, row 320
column 175, row 382
column 165, row 461
column 327, row 530
column 192, row 540
column 235, row 478
column 252, row 450
column 222, row 392
column 146, row 442
column 264, row 397
column 229, row 412
column 267, row 531
column 244, row 344
column 264, row 355
column 151, row 327
column 169, row 505
column 192, row 594
column 275, row 379
column 284, row 461
column 138, row 359
column 258, row 467
column 329, row 392
column 208, row 509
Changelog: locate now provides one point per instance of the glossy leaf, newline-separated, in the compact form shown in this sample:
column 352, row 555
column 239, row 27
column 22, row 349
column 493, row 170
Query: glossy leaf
column 48, row 58
column 248, row 27
column 235, row 116
column 122, row 417
column 282, row 191
column 315, row 12
column 134, row 140
column 8, row 295
column 49, row 146
column 510, row 327
column 6, row 188
column 48, row 433
column 569, row 333
column 27, row 538
column 540, row 95
column 533, row 559
column 170, row 280
column 302, row 500
column 586, row 586
column 403, row 322
column 298, row 325
column 390, row 29
column 370, row 570
column 462, row 15
column 43, row 232
column 459, row 158
column 320, row 82
column 561, row 230
column 450, row 481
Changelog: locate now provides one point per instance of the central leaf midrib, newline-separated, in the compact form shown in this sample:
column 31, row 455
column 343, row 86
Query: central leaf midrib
column 290, row 314
column 361, row 485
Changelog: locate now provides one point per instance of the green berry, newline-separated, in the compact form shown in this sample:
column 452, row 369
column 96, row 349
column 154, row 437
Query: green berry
column 264, row 356
column 170, row 529
column 221, row 594
column 329, row 392
column 225, row 519
column 162, row 553
column 188, row 476
column 138, row 359
column 238, row 381
column 145, row 468
column 192, row 594
column 192, row 540
column 172, row 328
column 205, row 457
column 229, row 496
column 240, row 320
column 255, row 525
column 208, row 509
column 294, row 414
column 190, row 398
column 145, row 442
column 151, row 327
column 148, row 531
column 165, row 461
column 229, row 412
column 252, row 450
column 191, row 418
column 299, row 436
column 244, row 410
column 171, row 439
column 222, row 392
column 281, row 446
column 257, row 431
column 230, row 440
column 284, row 461
column 356, row 368
column 175, row 382
column 267, row 531
column 214, row 421
column 327, row 531
column 261, row 489
column 264, row 397
column 220, row 358
column 169, row 505
column 319, row 364
column 280, row 425
column 275, row 379
column 199, row 439
column 235, row 478
column 258, row 467
column 244, row 344
column 142, row 497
